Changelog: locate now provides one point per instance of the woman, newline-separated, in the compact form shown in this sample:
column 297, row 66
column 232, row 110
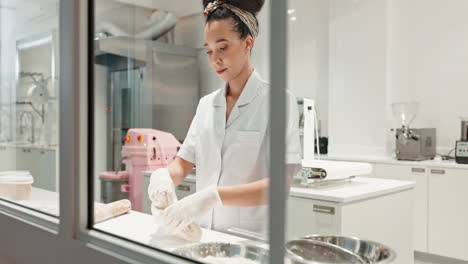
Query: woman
column 228, row 137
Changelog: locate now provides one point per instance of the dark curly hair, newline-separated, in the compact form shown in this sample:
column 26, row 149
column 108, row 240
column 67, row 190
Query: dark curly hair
column 221, row 13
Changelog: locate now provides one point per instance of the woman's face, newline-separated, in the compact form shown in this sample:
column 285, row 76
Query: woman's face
column 227, row 54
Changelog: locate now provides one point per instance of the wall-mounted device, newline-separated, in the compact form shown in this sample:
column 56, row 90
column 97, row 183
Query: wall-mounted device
column 461, row 152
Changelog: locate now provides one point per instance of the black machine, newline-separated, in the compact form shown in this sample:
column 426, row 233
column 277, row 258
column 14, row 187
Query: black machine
column 461, row 152
column 461, row 147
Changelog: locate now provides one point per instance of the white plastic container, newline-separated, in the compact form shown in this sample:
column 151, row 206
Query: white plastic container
column 15, row 185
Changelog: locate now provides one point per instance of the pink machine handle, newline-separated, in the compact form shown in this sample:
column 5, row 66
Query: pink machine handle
column 125, row 188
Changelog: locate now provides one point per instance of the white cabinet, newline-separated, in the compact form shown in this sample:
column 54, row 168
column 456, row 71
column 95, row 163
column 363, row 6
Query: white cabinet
column 448, row 212
column 40, row 162
column 441, row 207
column 42, row 165
column 7, row 159
column 418, row 175
column 385, row 218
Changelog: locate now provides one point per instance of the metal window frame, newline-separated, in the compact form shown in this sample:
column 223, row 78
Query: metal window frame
column 277, row 119
column 74, row 138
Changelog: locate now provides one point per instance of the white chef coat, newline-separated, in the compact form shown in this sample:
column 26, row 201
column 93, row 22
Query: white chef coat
column 235, row 151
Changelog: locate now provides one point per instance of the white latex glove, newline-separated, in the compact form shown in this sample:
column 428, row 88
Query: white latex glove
column 161, row 189
column 191, row 233
column 162, row 194
column 184, row 212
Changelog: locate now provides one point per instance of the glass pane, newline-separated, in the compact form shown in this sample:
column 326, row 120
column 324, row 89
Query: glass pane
column 29, row 104
column 386, row 85
column 175, row 168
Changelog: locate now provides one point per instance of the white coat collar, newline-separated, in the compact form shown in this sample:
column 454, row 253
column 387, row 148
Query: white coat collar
column 249, row 92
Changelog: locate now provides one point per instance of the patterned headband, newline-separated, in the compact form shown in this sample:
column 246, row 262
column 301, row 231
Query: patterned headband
column 248, row 18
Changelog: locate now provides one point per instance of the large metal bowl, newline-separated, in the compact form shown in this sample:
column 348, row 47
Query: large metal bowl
column 369, row 251
column 224, row 250
column 307, row 251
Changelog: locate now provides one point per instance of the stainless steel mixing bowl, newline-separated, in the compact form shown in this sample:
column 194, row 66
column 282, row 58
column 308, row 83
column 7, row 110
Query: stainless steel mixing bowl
column 221, row 250
column 307, row 251
column 369, row 251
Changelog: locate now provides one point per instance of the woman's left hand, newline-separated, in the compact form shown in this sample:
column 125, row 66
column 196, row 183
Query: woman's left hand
column 184, row 212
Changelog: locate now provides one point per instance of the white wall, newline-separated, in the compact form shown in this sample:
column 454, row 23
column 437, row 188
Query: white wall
column 357, row 77
column 7, row 47
column 308, row 54
column 385, row 51
column 430, row 63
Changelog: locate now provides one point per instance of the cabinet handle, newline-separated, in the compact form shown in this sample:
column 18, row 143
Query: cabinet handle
column 434, row 171
column 185, row 188
column 418, row 170
column 25, row 150
column 324, row 209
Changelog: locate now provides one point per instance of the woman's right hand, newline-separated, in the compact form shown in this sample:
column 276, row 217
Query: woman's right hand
column 161, row 189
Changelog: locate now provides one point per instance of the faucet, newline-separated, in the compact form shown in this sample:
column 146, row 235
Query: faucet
column 22, row 115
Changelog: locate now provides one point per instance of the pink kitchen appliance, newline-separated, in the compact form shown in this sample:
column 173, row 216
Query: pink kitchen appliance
column 143, row 150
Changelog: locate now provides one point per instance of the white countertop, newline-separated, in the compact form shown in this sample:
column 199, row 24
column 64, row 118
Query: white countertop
column 140, row 227
column 347, row 191
column 42, row 200
column 135, row 226
column 356, row 189
column 391, row 160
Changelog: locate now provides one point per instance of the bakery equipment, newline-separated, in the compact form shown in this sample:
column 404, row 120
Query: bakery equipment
column 309, row 127
column 464, row 129
column 143, row 150
column 316, row 170
column 149, row 84
column 461, row 152
column 113, row 186
column 420, row 146
column 461, row 146
column 412, row 144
